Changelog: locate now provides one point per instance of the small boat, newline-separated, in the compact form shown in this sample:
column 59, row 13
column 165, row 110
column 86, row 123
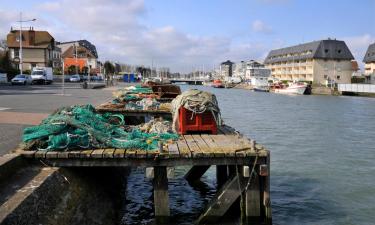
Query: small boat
column 261, row 89
column 293, row 88
column 218, row 84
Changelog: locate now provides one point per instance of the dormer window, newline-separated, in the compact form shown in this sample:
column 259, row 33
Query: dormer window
column 339, row 51
column 326, row 50
column 18, row 39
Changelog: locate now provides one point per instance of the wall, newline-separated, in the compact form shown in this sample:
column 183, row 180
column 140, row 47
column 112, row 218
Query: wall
column 332, row 68
column 370, row 68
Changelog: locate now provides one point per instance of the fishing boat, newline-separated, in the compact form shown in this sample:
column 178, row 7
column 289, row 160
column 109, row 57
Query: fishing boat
column 293, row 88
column 218, row 84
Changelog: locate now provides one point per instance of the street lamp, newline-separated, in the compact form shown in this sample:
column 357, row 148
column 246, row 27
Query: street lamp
column 20, row 52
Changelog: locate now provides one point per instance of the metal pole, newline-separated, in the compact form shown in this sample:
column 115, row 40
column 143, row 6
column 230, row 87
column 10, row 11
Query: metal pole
column 20, row 51
column 63, row 79
column 88, row 70
column 75, row 49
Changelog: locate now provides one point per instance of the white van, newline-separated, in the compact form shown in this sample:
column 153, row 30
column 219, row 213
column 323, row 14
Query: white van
column 42, row 75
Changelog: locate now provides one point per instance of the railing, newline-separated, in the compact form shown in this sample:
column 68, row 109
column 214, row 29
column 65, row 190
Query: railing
column 361, row 88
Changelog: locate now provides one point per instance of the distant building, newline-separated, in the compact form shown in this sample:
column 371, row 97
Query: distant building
column 249, row 69
column 84, row 51
column 369, row 60
column 226, row 69
column 239, row 69
column 255, row 69
column 38, row 49
column 321, row 62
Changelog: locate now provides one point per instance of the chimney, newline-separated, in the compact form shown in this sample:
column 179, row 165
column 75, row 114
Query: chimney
column 31, row 37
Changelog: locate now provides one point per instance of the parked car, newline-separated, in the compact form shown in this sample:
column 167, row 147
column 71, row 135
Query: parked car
column 67, row 78
column 75, row 78
column 21, row 79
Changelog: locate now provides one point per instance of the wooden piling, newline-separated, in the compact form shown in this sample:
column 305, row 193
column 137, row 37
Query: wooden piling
column 266, row 193
column 250, row 201
column 161, row 197
column 221, row 175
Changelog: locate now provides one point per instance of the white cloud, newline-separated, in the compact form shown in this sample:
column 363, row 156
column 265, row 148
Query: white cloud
column 260, row 27
column 358, row 46
column 115, row 27
column 49, row 6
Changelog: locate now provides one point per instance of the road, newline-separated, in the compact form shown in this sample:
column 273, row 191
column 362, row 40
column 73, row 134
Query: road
column 22, row 106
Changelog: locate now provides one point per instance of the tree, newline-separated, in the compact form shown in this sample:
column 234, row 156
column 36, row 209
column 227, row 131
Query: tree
column 72, row 69
column 85, row 70
column 109, row 71
column 109, row 68
column 3, row 45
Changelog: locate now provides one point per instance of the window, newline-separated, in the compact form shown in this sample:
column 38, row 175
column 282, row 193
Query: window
column 326, row 50
column 16, row 53
column 339, row 51
column 338, row 77
column 18, row 39
column 325, row 76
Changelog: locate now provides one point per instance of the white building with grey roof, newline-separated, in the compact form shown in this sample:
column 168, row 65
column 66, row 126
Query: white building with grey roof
column 369, row 60
column 320, row 62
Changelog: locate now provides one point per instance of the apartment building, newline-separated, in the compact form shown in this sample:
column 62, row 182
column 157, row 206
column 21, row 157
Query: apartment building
column 321, row 62
column 226, row 69
column 80, row 53
column 369, row 60
column 239, row 69
column 38, row 49
column 249, row 69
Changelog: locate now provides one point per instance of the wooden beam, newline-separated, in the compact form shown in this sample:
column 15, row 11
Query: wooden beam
column 161, row 198
column 148, row 162
column 223, row 200
column 195, row 173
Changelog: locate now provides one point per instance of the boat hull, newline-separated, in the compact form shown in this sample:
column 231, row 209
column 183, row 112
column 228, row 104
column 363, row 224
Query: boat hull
column 292, row 90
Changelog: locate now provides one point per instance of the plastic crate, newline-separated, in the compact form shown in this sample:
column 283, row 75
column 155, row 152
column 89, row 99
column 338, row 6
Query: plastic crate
column 196, row 123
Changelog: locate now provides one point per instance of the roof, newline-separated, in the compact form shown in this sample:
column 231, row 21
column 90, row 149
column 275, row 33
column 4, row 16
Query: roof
column 228, row 62
column 84, row 43
column 30, row 39
column 323, row 49
column 370, row 54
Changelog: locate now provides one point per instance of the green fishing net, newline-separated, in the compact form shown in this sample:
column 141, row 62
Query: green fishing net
column 78, row 127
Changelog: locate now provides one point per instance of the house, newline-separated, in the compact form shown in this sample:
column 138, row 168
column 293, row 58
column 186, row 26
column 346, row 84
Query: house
column 320, row 62
column 80, row 53
column 38, row 49
column 369, row 60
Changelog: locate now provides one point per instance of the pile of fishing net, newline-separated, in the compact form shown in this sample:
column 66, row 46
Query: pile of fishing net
column 79, row 127
column 197, row 102
column 144, row 104
column 133, row 93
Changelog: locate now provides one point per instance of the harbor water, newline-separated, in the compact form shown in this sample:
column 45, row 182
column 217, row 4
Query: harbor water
column 322, row 160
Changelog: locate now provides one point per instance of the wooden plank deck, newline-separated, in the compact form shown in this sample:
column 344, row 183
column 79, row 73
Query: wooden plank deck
column 197, row 149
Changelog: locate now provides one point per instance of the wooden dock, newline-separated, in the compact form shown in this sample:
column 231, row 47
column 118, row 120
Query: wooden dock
column 242, row 169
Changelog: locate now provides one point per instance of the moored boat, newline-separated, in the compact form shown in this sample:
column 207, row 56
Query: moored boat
column 218, row 84
column 293, row 88
column 261, row 89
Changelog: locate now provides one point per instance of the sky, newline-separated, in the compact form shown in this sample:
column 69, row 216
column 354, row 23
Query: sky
column 197, row 34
